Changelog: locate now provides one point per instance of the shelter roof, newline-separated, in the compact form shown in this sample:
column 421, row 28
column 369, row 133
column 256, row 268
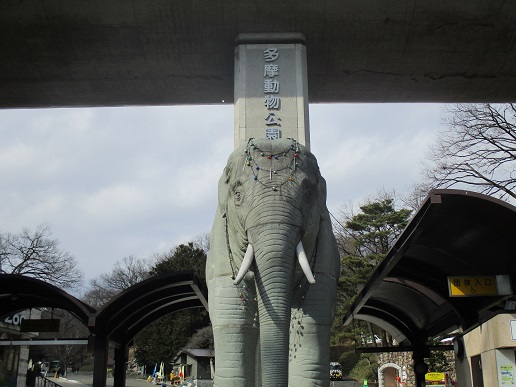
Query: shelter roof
column 141, row 304
column 20, row 292
column 114, row 53
column 199, row 352
column 121, row 318
column 454, row 233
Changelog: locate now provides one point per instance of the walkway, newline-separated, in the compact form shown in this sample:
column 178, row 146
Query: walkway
column 85, row 379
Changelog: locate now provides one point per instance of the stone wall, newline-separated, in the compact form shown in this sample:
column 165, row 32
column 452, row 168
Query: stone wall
column 404, row 361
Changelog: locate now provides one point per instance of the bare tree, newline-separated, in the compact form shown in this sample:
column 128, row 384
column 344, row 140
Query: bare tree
column 36, row 254
column 128, row 272
column 125, row 274
column 98, row 293
column 69, row 327
column 476, row 150
column 415, row 195
column 202, row 241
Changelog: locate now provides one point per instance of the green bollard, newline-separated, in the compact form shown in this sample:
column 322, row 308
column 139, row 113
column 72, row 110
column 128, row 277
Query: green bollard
column 365, row 383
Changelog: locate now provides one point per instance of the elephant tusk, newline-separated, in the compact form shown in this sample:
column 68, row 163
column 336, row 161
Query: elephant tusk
column 303, row 261
column 246, row 263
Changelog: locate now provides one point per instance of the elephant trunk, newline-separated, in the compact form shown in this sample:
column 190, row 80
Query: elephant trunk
column 275, row 261
column 301, row 257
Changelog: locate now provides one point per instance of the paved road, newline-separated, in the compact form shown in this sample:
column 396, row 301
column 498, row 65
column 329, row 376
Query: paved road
column 341, row 383
column 86, row 379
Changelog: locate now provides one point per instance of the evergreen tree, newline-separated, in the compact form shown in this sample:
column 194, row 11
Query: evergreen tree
column 183, row 257
column 364, row 239
column 364, row 242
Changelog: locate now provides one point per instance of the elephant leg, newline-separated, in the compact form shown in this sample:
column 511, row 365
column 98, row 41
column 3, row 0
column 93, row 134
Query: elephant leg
column 235, row 333
column 309, row 355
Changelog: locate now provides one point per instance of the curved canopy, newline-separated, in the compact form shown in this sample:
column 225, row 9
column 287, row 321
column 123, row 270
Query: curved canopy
column 454, row 234
column 162, row 52
column 20, row 292
column 135, row 308
column 121, row 318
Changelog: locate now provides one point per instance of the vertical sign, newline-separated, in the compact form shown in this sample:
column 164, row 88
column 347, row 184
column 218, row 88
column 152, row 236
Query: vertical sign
column 271, row 93
column 271, row 89
column 506, row 374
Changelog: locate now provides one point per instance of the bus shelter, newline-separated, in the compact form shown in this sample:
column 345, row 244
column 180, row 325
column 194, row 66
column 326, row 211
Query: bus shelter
column 116, row 323
column 450, row 271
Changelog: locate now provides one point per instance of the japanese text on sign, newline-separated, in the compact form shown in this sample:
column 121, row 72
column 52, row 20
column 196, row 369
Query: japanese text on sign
column 271, row 89
column 465, row 286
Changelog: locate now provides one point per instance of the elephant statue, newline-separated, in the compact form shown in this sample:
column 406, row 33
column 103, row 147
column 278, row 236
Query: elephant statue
column 272, row 269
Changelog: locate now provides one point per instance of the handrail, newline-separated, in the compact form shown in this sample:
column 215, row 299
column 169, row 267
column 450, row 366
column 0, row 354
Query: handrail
column 42, row 381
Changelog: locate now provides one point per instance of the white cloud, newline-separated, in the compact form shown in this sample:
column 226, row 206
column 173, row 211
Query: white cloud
column 363, row 148
column 15, row 157
column 114, row 182
column 113, row 200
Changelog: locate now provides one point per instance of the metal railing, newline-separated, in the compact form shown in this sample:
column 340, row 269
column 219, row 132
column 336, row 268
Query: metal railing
column 42, row 381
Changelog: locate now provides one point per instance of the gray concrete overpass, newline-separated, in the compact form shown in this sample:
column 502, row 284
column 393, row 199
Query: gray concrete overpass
column 170, row 52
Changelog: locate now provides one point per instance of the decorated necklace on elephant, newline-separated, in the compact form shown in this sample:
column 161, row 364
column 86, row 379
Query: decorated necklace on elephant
column 255, row 155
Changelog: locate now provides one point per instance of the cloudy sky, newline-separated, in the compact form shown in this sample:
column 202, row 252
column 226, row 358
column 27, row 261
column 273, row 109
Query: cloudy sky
column 115, row 182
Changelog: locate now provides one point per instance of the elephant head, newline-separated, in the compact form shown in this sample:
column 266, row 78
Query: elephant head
column 270, row 241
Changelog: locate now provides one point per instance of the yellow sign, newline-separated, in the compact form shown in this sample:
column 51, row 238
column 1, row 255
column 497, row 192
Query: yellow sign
column 436, row 379
column 435, row 376
column 474, row 286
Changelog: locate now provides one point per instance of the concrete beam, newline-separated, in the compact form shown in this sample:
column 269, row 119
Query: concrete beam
column 115, row 53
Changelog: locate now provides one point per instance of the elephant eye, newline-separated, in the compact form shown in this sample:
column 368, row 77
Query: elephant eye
column 237, row 192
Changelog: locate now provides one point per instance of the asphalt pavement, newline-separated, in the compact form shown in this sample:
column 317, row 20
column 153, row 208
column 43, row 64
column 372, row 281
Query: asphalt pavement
column 85, row 379
column 345, row 383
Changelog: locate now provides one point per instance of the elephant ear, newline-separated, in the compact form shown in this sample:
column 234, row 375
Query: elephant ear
column 322, row 197
column 327, row 246
column 223, row 191
column 225, row 180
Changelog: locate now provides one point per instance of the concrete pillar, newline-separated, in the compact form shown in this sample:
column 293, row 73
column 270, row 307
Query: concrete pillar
column 121, row 357
column 100, row 353
column 23, row 365
column 271, row 89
